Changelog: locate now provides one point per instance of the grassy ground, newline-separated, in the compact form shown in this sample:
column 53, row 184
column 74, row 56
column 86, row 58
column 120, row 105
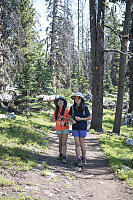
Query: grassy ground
column 118, row 154
column 20, row 139
column 28, row 134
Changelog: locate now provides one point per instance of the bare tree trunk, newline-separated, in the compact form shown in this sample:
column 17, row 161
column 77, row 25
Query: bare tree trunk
column 130, row 64
column 122, row 65
column 53, row 44
column 1, row 52
column 113, row 73
column 131, row 84
column 78, row 39
column 97, row 57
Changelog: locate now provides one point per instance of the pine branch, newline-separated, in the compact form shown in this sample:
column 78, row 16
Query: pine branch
column 119, row 35
column 130, row 54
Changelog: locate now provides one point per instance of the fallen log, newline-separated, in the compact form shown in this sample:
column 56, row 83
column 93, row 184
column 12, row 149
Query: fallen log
column 5, row 116
column 47, row 98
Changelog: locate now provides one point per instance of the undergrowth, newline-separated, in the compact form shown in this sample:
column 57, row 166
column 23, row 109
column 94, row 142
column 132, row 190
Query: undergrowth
column 118, row 154
column 22, row 141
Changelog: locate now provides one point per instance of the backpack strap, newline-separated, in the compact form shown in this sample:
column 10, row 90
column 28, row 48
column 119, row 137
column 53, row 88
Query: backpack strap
column 72, row 112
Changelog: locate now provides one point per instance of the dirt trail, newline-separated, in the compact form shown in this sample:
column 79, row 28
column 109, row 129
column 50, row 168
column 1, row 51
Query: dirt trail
column 65, row 182
column 95, row 182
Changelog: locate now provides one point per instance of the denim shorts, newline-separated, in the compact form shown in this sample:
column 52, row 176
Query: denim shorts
column 79, row 133
column 66, row 131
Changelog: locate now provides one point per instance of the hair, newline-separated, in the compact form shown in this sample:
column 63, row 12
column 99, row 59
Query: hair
column 81, row 105
column 57, row 111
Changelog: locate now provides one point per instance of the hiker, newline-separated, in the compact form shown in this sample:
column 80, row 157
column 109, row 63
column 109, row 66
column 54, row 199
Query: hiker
column 80, row 113
column 62, row 126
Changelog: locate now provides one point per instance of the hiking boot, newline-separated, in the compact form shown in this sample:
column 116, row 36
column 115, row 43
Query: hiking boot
column 64, row 160
column 84, row 160
column 79, row 163
column 60, row 156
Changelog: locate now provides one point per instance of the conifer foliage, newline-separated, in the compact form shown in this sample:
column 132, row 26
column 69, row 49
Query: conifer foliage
column 23, row 56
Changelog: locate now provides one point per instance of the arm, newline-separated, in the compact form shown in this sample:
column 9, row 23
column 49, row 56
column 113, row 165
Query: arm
column 69, row 119
column 68, row 116
column 86, row 117
column 82, row 118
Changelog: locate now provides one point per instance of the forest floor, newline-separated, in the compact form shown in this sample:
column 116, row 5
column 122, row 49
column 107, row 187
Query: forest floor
column 66, row 181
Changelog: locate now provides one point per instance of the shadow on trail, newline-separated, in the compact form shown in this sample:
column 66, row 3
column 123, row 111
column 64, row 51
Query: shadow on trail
column 96, row 162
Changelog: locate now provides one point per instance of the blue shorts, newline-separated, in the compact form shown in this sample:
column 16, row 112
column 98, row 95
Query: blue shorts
column 79, row 133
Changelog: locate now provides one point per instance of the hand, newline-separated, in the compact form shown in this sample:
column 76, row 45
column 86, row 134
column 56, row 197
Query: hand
column 61, row 116
column 78, row 118
column 73, row 121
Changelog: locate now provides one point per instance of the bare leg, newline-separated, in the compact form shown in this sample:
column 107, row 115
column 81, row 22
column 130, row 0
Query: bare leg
column 77, row 146
column 83, row 148
column 60, row 142
column 64, row 143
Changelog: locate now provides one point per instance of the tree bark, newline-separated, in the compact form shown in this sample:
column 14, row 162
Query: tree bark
column 78, row 40
column 122, row 66
column 53, row 44
column 1, row 53
column 97, row 57
column 130, row 65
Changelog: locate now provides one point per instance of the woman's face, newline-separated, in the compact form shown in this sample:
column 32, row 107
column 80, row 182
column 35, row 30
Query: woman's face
column 77, row 100
column 60, row 103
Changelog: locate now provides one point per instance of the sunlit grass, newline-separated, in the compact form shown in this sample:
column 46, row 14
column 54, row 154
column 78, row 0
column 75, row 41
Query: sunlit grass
column 69, row 176
column 4, row 182
column 108, row 120
column 118, row 155
column 21, row 142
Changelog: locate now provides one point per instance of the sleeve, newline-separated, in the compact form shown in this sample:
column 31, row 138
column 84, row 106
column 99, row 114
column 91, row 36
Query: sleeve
column 87, row 113
column 70, row 111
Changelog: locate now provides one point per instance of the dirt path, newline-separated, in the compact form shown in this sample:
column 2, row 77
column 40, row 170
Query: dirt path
column 65, row 182
column 95, row 182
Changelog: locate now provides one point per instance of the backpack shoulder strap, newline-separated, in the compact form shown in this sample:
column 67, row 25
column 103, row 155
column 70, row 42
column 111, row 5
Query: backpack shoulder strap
column 84, row 112
column 72, row 111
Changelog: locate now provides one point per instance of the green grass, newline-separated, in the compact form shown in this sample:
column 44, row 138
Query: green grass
column 118, row 154
column 22, row 141
column 4, row 182
column 108, row 122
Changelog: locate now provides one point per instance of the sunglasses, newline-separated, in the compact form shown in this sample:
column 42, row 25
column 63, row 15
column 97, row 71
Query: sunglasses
column 60, row 101
column 77, row 98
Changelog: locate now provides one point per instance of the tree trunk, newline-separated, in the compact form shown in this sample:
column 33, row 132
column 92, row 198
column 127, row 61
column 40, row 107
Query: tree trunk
column 78, row 40
column 53, row 44
column 97, row 57
column 122, row 66
column 1, row 53
column 130, row 64
column 131, row 84
column 113, row 71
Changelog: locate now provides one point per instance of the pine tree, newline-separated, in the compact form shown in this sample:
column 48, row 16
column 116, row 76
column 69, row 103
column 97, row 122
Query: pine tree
column 30, row 79
column 112, row 41
column 125, row 37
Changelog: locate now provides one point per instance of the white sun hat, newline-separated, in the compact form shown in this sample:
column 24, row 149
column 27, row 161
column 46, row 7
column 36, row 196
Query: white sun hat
column 78, row 94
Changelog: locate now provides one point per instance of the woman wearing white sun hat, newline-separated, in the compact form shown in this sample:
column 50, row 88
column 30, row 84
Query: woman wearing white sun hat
column 80, row 113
